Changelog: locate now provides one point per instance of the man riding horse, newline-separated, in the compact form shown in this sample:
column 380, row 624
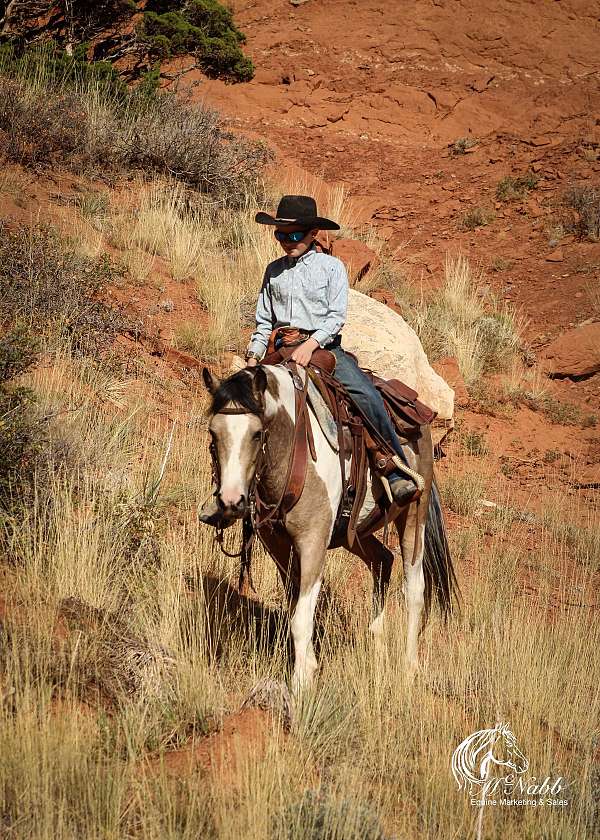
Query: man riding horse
column 308, row 290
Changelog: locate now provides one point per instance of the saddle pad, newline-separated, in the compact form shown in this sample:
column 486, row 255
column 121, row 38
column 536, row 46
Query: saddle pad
column 323, row 415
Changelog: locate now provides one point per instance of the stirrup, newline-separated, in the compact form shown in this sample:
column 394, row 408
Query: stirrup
column 403, row 468
column 390, row 495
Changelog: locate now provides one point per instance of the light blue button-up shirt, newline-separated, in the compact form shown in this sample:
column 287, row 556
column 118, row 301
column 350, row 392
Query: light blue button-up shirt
column 310, row 293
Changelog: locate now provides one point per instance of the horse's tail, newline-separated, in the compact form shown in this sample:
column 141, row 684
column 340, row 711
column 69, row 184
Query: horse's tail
column 437, row 562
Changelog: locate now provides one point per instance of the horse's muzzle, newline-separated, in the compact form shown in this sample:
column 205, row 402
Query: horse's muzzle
column 235, row 510
column 215, row 514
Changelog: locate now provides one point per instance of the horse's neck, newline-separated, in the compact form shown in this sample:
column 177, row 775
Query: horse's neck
column 280, row 393
column 280, row 419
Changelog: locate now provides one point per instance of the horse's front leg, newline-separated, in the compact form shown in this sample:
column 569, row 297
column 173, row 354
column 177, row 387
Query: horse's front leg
column 311, row 556
column 300, row 563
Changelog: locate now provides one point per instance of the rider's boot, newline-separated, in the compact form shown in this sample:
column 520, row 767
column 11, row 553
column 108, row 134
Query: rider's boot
column 403, row 489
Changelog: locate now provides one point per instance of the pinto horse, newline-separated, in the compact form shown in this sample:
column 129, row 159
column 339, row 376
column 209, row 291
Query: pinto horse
column 252, row 421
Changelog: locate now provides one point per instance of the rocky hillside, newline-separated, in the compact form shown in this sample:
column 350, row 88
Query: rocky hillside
column 453, row 132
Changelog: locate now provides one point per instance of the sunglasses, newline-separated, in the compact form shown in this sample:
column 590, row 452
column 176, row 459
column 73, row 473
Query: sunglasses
column 295, row 236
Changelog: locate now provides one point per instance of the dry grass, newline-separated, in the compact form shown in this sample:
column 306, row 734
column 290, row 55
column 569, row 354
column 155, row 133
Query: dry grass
column 593, row 294
column 368, row 755
column 56, row 290
column 222, row 254
column 13, row 182
column 516, row 189
column 465, row 322
column 462, row 146
column 525, row 384
column 123, row 639
column 476, row 217
column 585, row 202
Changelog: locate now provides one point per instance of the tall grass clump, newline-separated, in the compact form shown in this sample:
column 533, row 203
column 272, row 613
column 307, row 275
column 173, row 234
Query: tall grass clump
column 54, row 291
column 169, row 221
column 85, row 125
column 50, row 297
column 463, row 322
column 21, row 434
column 584, row 202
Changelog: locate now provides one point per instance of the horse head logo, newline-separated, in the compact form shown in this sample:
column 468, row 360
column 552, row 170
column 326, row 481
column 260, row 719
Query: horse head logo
column 474, row 762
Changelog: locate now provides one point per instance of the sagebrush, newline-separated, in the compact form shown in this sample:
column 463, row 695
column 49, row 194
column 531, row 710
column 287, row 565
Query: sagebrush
column 88, row 127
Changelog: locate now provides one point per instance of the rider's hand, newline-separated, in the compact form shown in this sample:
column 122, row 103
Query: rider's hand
column 302, row 354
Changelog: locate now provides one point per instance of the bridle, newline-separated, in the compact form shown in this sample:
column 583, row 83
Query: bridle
column 259, row 512
column 249, row 522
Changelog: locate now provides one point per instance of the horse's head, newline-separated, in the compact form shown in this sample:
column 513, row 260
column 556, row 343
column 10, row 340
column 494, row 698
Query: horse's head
column 237, row 418
column 504, row 750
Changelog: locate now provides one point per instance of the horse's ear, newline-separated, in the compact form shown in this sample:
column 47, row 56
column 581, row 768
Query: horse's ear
column 259, row 381
column 211, row 382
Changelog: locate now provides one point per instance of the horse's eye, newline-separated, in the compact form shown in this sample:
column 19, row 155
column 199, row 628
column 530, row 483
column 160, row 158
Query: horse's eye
column 256, row 436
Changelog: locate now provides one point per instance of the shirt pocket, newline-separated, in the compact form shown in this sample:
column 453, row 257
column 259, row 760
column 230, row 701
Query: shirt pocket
column 316, row 290
column 277, row 291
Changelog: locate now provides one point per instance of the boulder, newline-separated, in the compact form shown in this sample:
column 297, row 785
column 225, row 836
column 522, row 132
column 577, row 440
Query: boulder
column 387, row 297
column 450, row 372
column 382, row 341
column 556, row 255
column 574, row 353
column 356, row 256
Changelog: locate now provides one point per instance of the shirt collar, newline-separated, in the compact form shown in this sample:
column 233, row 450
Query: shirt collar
column 292, row 261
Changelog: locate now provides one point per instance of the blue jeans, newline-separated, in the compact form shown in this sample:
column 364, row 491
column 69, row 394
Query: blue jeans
column 367, row 398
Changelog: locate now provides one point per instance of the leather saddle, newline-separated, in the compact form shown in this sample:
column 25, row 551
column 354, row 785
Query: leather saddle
column 355, row 435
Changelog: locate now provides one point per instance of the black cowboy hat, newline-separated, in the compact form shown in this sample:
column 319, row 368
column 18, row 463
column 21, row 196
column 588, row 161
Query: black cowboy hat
column 297, row 210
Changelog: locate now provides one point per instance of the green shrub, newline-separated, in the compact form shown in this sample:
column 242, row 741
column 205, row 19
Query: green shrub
column 516, row 189
column 204, row 28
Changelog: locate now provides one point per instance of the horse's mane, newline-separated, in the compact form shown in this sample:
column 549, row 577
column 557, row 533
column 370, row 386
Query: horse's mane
column 237, row 389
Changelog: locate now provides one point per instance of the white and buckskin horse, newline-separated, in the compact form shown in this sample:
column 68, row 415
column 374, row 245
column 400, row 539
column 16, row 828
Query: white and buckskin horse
column 251, row 424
